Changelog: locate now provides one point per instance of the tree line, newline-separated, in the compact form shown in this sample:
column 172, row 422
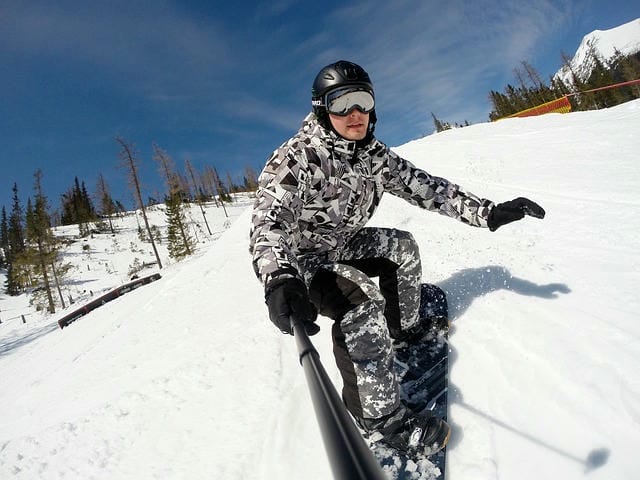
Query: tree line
column 32, row 255
column 530, row 90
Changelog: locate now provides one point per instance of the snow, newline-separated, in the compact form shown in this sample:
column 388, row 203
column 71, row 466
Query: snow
column 187, row 378
column 623, row 38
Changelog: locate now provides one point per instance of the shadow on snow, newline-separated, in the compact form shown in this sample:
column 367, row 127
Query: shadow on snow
column 465, row 286
column 462, row 289
column 8, row 346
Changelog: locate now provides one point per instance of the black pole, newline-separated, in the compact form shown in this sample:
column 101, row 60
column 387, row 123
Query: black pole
column 349, row 455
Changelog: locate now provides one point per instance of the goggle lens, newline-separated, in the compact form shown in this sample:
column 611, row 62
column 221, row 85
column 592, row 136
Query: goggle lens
column 342, row 101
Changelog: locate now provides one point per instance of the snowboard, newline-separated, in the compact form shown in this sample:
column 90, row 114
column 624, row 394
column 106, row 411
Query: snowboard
column 423, row 372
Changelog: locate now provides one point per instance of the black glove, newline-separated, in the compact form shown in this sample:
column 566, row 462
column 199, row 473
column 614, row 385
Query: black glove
column 288, row 298
column 511, row 211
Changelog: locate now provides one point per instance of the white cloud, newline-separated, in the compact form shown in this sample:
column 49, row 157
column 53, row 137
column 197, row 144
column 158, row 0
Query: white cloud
column 428, row 55
column 250, row 109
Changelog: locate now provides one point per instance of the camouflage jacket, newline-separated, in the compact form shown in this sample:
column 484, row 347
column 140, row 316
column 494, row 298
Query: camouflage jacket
column 318, row 189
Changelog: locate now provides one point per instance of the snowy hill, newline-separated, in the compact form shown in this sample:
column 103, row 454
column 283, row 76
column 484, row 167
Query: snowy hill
column 103, row 260
column 187, row 378
column 624, row 38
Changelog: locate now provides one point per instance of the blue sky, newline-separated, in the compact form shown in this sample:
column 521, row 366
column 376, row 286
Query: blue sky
column 225, row 83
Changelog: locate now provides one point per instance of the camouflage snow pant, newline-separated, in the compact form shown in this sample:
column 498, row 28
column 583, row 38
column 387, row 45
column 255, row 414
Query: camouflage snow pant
column 368, row 316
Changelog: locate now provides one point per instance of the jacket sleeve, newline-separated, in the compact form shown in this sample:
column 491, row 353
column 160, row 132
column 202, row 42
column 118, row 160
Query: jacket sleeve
column 274, row 232
column 432, row 193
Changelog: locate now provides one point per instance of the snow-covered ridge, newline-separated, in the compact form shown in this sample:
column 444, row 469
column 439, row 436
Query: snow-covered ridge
column 624, row 38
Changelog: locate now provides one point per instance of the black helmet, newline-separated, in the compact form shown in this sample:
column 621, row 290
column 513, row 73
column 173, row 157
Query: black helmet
column 337, row 75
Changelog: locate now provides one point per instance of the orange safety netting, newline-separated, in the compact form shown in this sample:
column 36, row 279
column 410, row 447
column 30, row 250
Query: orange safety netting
column 562, row 105
column 559, row 105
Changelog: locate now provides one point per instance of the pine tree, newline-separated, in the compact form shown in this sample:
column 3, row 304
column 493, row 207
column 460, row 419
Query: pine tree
column 87, row 208
column 22, row 263
column 120, row 207
column 622, row 73
column 67, row 216
column 16, row 230
column 4, row 238
column 581, row 101
column 179, row 242
column 39, row 234
column 437, row 124
column 601, row 77
column 500, row 108
column 77, row 208
column 16, row 245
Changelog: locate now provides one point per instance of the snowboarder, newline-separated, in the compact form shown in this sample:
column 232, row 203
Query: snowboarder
column 313, row 253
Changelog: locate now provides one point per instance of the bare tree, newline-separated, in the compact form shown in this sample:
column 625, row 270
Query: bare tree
column 250, row 179
column 167, row 169
column 208, row 184
column 543, row 92
column 196, row 189
column 223, row 194
column 128, row 159
column 107, row 207
column 231, row 187
column 216, row 186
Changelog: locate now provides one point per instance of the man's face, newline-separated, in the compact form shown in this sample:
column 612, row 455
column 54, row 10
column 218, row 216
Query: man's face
column 352, row 126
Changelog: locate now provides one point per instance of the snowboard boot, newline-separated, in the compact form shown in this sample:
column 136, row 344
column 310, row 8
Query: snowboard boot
column 407, row 431
column 424, row 332
column 433, row 311
column 433, row 319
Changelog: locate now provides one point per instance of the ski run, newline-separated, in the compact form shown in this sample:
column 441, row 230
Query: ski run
column 186, row 378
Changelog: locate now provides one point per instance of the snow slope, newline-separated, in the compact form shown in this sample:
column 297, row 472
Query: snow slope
column 623, row 38
column 187, row 378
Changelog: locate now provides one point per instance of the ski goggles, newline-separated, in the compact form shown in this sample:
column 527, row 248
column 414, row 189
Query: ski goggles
column 342, row 100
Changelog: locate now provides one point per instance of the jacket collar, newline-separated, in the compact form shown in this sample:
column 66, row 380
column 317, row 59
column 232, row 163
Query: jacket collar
column 334, row 142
